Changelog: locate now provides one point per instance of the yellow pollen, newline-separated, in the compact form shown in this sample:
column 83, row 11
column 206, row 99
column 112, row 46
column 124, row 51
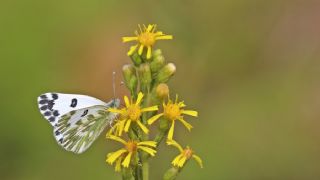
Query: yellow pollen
column 187, row 153
column 172, row 111
column 131, row 146
column 147, row 39
column 134, row 112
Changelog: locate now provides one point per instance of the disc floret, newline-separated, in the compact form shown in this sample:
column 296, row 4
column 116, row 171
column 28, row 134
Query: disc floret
column 185, row 154
column 146, row 37
column 131, row 113
column 125, row 154
column 173, row 111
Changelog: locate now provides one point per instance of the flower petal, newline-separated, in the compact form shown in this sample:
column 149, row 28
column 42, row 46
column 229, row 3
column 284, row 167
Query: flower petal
column 127, row 39
column 152, row 108
column 126, row 161
column 148, row 150
column 148, row 52
column 181, row 104
column 185, row 123
column 139, row 98
column 150, row 26
column 154, row 118
column 176, row 160
column 190, row 113
column 175, row 144
column 140, row 49
column 198, row 159
column 143, row 127
column 116, row 138
column 164, row 37
column 132, row 49
column 182, row 161
column 148, row 143
column 170, row 134
column 121, row 127
column 115, row 110
column 118, row 164
column 159, row 33
column 126, row 101
column 126, row 128
column 113, row 156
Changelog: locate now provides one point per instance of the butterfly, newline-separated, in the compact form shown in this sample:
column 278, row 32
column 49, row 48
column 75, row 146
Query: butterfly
column 77, row 120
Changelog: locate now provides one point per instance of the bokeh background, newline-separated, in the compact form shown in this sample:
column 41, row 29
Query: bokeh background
column 250, row 67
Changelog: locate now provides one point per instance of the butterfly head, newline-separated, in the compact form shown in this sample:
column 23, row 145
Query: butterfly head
column 115, row 103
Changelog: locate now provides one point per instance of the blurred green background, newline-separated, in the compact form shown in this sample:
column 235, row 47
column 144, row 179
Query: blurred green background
column 250, row 67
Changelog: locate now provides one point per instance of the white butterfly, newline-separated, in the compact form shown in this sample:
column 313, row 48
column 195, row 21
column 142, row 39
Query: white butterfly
column 77, row 120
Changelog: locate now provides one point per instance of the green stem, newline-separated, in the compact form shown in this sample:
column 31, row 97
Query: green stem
column 138, row 169
column 127, row 174
column 145, row 170
column 144, row 156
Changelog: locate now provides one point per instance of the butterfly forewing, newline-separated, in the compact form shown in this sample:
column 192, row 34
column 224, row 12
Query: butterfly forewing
column 53, row 105
column 77, row 119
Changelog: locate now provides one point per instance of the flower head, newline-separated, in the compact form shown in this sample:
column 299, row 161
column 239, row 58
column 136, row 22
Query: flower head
column 145, row 38
column 174, row 111
column 185, row 154
column 131, row 113
column 124, row 155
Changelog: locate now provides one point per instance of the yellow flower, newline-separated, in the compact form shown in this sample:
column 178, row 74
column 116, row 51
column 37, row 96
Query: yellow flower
column 145, row 38
column 131, row 113
column 172, row 112
column 124, row 155
column 185, row 154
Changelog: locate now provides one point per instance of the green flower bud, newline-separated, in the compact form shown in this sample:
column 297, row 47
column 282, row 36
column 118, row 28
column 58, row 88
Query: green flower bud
column 145, row 75
column 164, row 125
column 136, row 59
column 165, row 73
column 130, row 78
column 171, row 173
column 157, row 52
column 162, row 91
column 158, row 61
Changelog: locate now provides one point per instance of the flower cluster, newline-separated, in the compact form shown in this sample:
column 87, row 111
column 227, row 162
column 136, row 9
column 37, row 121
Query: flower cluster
column 146, row 79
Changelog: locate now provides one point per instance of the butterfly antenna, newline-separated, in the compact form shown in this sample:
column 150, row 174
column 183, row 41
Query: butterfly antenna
column 114, row 84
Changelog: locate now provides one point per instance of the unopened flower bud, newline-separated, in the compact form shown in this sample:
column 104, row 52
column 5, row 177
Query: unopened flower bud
column 145, row 74
column 162, row 90
column 172, row 173
column 157, row 52
column 136, row 59
column 158, row 61
column 166, row 72
column 130, row 78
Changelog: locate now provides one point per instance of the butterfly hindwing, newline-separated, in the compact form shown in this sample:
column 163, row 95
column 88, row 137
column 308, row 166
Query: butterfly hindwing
column 78, row 129
column 53, row 105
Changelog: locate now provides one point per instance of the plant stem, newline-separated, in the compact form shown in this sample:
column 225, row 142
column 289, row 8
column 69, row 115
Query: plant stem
column 127, row 174
column 145, row 170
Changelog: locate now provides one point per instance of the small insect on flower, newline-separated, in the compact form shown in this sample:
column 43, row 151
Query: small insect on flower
column 131, row 113
column 145, row 38
column 185, row 154
column 124, row 155
column 172, row 112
